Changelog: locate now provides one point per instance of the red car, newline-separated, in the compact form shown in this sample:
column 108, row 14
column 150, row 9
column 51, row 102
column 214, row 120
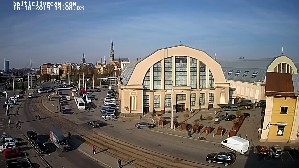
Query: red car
column 12, row 153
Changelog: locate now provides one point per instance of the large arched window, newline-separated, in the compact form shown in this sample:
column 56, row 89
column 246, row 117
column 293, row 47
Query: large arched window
column 168, row 73
column 157, row 75
column 146, row 80
column 211, row 80
column 181, row 71
column 193, row 73
column 202, row 77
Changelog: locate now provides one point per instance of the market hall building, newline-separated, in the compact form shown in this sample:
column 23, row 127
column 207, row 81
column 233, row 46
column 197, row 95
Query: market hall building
column 179, row 76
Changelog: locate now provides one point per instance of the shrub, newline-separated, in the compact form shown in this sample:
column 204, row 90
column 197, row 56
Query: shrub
column 186, row 115
column 209, row 118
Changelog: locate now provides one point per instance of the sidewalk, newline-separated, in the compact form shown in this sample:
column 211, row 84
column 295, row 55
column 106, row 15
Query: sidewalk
column 86, row 148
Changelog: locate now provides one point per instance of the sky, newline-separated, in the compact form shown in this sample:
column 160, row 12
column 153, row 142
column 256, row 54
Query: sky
column 230, row 28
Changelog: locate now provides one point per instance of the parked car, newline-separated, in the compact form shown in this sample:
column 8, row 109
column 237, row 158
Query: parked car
column 219, row 118
column 263, row 151
column 230, row 117
column 11, row 140
column 94, row 124
column 294, row 153
column 7, row 145
column 21, row 163
column 3, row 136
column 31, row 135
column 140, row 125
column 226, row 158
column 275, row 152
column 41, row 147
column 12, row 153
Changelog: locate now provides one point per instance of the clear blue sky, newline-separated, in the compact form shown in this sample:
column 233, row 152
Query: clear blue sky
column 230, row 28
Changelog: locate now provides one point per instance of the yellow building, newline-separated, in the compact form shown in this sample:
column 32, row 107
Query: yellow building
column 281, row 120
column 179, row 76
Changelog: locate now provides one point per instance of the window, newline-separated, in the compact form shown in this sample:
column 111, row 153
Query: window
column 283, row 110
column 211, row 80
column 211, row 98
column 280, row 130
column 237, row 73
column 168, row 100
column 193, row 73
column 245, row 73
column 181, row 71
column 193, row 98
column 157, row 75
column 133, row 102
column 181, row 97
column 157, row 101
column 145, row 100
column 168, row 73
column 202, row 73
column 202, row 98
column 146, row 80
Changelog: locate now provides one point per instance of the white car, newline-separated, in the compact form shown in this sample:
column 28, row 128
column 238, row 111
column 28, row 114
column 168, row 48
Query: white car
column 10, row 140
column 7, row 145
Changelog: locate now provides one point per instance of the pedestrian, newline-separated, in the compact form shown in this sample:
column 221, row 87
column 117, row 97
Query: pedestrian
column 69, row 134
column 9, row 122
column 226, row 114
column 94, row 149
column 189, row 133
column 200, row 117
column 119, row 163
column 246, row 136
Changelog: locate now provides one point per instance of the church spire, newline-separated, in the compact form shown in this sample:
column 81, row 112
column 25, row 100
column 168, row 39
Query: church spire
column 83, row 59
column 112, row 52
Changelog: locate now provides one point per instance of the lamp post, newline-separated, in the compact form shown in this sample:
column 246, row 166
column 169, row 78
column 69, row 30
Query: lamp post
column 171, row 122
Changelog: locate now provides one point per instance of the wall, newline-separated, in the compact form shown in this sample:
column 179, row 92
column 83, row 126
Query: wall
column 285, row 118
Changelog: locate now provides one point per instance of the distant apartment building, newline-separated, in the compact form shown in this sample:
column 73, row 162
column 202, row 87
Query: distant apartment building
column 247, row 76
column 6, row 66
column 46, row 69
column 66, row 69
column 281, row 119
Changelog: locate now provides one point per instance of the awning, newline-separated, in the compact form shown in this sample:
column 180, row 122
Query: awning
column 281, row 124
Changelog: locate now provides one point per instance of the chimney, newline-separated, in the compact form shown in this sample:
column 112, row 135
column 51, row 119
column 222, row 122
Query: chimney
column 101, row 60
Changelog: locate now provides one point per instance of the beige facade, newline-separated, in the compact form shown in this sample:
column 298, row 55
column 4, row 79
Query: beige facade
column 182, row 76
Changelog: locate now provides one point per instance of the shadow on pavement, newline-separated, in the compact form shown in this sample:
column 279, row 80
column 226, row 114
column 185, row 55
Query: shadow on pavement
column 76, row 141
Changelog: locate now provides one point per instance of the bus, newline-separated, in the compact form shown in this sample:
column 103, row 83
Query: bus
column 80, row 103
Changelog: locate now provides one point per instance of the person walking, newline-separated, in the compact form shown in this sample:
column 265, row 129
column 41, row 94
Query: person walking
column 119, row 163
column 94, row 149
column 69, row 135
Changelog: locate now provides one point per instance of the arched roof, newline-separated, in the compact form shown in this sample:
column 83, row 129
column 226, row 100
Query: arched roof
column 253, row 70
column 135, row 72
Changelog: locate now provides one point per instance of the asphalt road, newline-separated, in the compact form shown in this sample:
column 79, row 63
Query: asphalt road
column 72, row 159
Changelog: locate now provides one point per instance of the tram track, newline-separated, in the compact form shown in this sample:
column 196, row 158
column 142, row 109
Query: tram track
column 137, row 156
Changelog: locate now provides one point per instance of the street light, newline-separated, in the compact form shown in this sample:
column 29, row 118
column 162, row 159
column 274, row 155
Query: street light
column 171, row 124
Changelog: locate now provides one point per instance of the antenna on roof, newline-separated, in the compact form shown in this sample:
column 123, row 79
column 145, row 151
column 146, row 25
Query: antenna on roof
column 282, row 50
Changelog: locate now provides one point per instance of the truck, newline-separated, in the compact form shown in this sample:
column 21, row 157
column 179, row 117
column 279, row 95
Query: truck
column 236, row 143
column 59, row 140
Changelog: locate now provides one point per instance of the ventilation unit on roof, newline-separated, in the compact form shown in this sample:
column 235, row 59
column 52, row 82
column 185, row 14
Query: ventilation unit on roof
column 254, row 75
column 230, row 72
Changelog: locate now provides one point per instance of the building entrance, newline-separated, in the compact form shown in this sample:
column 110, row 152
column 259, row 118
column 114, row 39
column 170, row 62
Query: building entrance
column 180, row 107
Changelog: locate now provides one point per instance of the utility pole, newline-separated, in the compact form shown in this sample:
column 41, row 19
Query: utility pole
column 79, row 83
column 13, row 85
column 83, row 81
column 28, row 82
column 31, row 81
column 93, row 82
